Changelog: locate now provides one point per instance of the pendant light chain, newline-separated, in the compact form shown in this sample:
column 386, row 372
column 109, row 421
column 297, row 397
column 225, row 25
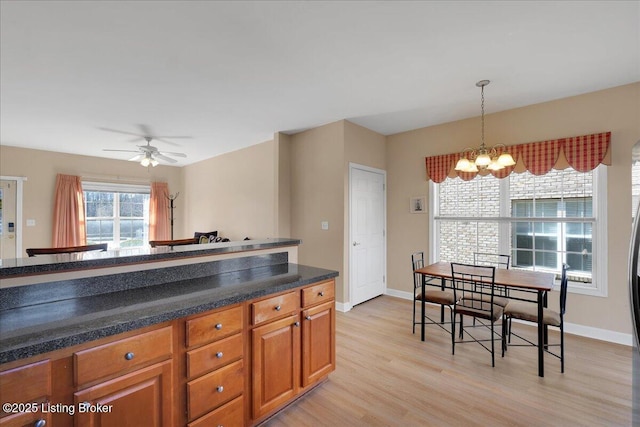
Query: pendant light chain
column 482, row 106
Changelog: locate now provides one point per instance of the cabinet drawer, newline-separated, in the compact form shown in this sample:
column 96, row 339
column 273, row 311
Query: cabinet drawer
column 228, row 415
column 316, row 294
column 212, row 390
column 26, row 384
column 122, row 356
column 275, row 307
column 26, row 419
column 214, row 355
column 214, row 326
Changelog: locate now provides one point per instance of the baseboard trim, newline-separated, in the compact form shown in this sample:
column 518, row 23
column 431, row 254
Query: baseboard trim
column 570, row 328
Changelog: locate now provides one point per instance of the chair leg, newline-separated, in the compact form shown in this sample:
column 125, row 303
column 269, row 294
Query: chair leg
column 414, row 314
column 493, row 360
column 461, row 327
column 562, row 347
column 453, row 332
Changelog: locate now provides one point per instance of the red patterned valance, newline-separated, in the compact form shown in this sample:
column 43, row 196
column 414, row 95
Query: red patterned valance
column 583, row 153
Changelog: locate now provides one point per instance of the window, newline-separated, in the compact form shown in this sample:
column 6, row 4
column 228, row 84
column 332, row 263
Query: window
column 117, row 214
column 542, row 221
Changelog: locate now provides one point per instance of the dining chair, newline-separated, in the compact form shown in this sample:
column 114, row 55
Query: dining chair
column 177, row 242
column 499, row 261
column 475, row 301
column 442, row 297
column 67, row 249
column 528, row 311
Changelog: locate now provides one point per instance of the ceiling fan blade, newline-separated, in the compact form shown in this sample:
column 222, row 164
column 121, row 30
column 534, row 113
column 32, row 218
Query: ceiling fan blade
column 167, row 153
column 137, row 157
column 166, row 141
column 121, row 151
column 145, row 130
column 121, row 131
column 165, row 158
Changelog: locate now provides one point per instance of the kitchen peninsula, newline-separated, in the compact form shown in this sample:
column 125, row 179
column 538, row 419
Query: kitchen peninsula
column 214, row 334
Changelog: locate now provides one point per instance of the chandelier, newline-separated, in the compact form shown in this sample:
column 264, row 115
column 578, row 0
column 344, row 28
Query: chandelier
column 482, row 158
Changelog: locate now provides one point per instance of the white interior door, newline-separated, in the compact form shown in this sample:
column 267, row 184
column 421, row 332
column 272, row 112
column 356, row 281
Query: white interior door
column 367, row 224
column 8, row 218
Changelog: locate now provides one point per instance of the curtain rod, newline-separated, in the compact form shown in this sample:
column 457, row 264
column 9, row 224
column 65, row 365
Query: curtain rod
column 112, row 178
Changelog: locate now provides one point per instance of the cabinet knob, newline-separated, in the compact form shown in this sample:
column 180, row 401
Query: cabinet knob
column 219, row 355
column 40, row 423
column 277, row 308
column 220, row 389
column 308, row 317
column 297, row 324
column 321, row 293
column 129, row 356
column 219, row 326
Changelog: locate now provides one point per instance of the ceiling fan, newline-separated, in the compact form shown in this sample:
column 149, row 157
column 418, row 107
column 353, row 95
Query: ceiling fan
column 148, row 155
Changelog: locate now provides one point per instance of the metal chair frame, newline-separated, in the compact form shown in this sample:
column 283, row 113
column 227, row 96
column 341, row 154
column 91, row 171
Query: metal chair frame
column 564, row 285
column 417, row 261
column 474, row 288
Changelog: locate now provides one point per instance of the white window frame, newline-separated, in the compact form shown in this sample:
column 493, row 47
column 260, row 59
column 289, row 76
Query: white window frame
column 598, row 286
column 110, row 187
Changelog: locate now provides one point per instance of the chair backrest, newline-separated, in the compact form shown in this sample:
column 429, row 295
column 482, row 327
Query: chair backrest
column 177, row 242
column 417, row 261
column 474, row 283
column 564, row 284
column 67, row 250
column 491, row 259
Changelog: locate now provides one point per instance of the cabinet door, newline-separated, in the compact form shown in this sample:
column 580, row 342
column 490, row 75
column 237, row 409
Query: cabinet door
column 318, row 342
column 139, row 398
column 276, row 364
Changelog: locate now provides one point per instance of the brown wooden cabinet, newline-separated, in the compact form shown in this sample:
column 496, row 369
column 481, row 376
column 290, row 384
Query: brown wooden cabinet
column 276, row 364
column 318, row 343
column 232, row 366
column 27, row 391
column 140, row 398
column 290, row 354
column 215, row 368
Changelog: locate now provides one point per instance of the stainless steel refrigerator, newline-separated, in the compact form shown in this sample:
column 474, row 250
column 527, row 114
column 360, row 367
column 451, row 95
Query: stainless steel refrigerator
column 634, row 294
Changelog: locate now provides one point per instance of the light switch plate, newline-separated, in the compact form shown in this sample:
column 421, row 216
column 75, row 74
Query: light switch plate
column 324, row 225
column 31, row 223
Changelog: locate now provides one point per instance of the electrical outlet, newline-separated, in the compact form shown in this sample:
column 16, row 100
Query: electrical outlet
column 31, row 223
column 324, row 225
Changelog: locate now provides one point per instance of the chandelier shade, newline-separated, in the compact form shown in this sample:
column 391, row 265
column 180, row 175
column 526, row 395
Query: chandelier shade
column 481, row 158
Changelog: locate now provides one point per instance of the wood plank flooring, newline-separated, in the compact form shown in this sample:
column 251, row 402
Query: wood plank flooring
column 386, row 376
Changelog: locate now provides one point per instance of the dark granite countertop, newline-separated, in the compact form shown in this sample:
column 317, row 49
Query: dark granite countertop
column 30, row 330
column 67, row 262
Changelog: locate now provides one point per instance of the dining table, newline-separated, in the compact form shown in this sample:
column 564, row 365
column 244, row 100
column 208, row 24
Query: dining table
column 527, row 281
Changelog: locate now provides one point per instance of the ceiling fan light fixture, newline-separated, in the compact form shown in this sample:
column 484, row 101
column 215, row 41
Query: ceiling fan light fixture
column 145, row 162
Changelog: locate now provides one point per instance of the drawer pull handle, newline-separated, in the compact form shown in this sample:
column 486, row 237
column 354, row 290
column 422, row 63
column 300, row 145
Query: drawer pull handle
column 297, row 324
column 219, row 326
column 220, row 389
column 219, row 355
column 129, row 356
column 277, row 308
column 308, row 317
column 40, row 423
column 321, row 294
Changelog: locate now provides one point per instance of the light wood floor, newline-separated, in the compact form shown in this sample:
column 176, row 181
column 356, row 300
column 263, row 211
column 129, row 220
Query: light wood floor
column 386, row 376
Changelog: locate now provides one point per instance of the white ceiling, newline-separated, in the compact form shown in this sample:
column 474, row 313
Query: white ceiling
column 231, row 74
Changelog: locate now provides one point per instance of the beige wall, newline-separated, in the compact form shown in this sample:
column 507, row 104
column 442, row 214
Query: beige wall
column 319, row 179
column 317, row 159
column 41, row 168
column 616, row 110
column 234, row 193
